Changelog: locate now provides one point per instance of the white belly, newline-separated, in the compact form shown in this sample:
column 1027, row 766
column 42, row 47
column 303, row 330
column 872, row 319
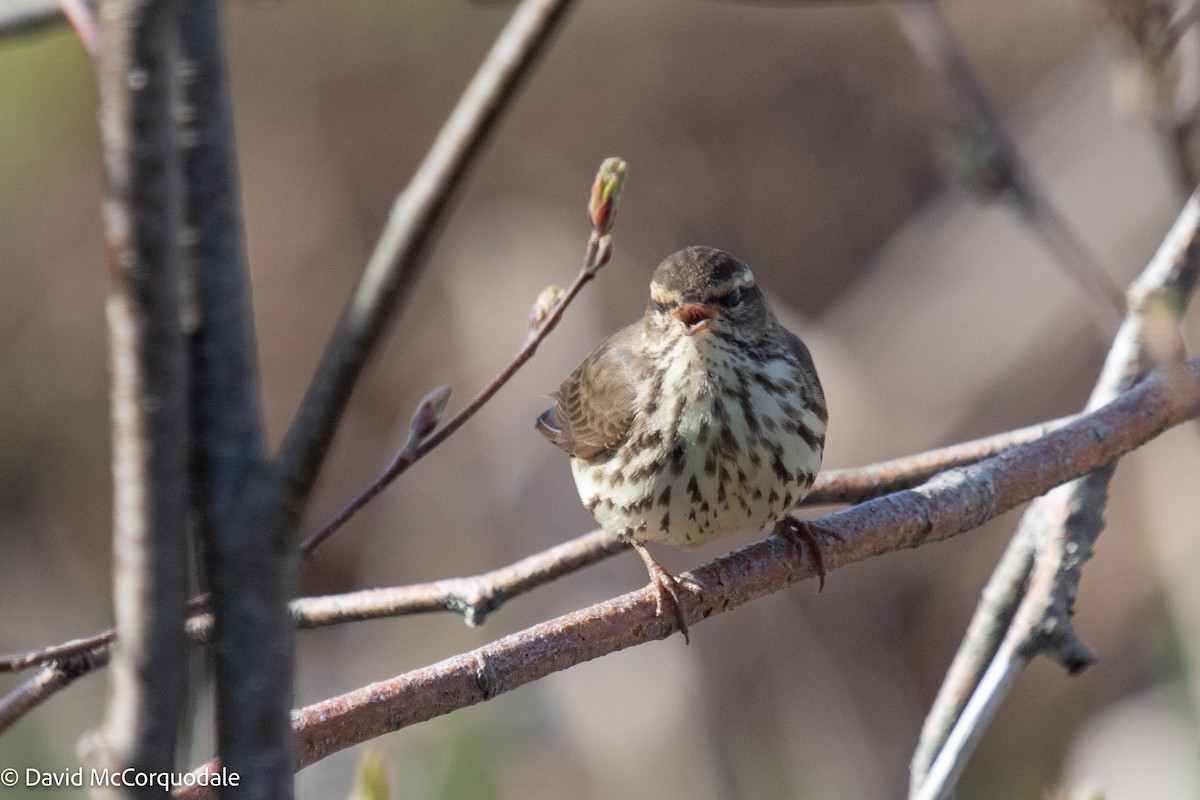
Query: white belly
column 722, row 457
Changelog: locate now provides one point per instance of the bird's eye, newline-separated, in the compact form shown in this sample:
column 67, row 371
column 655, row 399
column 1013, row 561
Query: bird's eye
column 734, row 298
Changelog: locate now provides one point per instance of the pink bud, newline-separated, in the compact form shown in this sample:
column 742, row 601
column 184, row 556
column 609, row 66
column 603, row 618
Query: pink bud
column 428, row 414
column 606, row 190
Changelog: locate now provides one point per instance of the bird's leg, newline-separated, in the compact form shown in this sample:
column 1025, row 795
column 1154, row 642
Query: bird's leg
column 807, row 534
column 665, row 586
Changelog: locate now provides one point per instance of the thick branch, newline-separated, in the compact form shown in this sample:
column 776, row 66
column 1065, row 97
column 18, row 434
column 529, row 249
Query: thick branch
column 149, row 387
column 951, row 503
column 226, row 412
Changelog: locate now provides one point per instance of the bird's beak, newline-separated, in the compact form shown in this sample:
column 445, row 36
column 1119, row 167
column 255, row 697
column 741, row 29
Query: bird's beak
column 695, row 317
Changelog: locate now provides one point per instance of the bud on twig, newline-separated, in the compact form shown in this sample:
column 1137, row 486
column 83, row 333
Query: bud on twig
column 546, row 301
column 602, row 208
column 427, row 416
column 604, row 250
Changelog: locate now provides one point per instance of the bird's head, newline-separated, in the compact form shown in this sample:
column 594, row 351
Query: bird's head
column 701, row 290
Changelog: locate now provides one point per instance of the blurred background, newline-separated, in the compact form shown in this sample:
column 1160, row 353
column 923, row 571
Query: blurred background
column 806, row 140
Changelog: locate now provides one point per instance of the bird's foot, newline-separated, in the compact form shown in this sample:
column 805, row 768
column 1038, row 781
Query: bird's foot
column 666, row 587
column 807, row 534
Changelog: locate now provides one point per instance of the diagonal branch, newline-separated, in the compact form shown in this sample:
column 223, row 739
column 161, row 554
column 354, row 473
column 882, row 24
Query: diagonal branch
column 475, row 597
column 1010, row 626
column 609, row 180
column 952, row 503
column 395, row 264
column 1001, row 161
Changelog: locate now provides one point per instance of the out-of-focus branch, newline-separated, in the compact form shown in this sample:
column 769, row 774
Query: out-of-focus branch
column 606, row 191
column 271, row 506
column 1010, row 627
column 952, row 503
column 226, row 412
column 1000, row 161
column 1167, row 43
column 19, row 17
column 50, row 679
column 143, row 226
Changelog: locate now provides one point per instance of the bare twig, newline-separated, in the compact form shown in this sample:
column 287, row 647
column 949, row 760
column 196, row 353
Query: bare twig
column 923, row 24
column 394, row 265
column 1159, row 31
column 954, row 502
column 420, row 443
column 144, row 217
column 1007, row 630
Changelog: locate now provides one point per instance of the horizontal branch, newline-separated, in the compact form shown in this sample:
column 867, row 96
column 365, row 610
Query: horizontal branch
column 951, row 503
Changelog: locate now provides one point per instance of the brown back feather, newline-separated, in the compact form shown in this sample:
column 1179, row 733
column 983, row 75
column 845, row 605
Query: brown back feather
column 594, row 407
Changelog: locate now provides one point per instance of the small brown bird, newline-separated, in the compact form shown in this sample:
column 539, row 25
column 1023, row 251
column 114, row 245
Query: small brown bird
column 703, row 419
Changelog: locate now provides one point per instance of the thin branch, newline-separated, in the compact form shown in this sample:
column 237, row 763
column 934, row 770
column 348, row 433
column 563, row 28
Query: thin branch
column 475, row 597
column 48, row 681
column 396, row 262
column 144, row 220
column 1060, row 529
column 1001, row 161
column 952, row 503
column 857, row 484
column 418, row 446
column 1157, row 31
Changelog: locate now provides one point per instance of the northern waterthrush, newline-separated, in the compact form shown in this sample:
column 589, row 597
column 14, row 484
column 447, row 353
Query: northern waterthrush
column 704, row 418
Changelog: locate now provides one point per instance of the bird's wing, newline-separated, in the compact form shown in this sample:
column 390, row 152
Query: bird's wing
column 594, row 407
column 810, row 384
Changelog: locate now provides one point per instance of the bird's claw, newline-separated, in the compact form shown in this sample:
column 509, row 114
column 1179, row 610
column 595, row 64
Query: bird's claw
column 667, row 589
column 808, row 534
